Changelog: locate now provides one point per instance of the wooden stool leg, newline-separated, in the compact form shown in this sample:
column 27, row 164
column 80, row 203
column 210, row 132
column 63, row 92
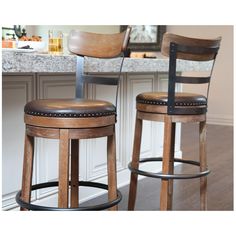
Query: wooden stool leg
column 74, row 173
column 203, row 164
column 168, row 164
column 27, row 169
column 111, row 169
column 63, row 169
column 171, row 167
column 135, row 163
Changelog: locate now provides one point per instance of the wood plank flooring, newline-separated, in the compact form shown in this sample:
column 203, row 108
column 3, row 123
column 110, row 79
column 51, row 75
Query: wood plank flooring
column 186, row 192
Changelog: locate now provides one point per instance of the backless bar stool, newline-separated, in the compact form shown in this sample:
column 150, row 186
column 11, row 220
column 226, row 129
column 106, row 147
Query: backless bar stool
column 70, row 120
column 172, row 107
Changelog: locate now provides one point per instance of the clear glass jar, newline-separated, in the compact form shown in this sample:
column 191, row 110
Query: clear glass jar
column 55, row 41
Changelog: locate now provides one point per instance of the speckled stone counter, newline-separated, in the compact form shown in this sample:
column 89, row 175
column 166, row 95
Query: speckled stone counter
column 36, row 62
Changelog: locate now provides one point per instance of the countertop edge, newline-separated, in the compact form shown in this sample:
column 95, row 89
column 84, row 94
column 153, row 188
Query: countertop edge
column 36, row 62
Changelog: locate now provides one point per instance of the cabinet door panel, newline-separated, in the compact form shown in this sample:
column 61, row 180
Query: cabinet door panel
column 136, row 84
column 17, row 90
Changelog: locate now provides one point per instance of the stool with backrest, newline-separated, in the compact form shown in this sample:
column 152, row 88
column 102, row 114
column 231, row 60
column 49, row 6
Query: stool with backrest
column 172, row 107
column 70, row 120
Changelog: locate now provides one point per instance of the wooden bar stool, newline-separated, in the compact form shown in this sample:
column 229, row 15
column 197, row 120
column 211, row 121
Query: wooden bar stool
column 172, row 107
column 70, row 120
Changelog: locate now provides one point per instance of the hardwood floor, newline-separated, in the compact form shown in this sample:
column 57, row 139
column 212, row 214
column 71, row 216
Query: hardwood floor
column 186, row 192
column 220, row 162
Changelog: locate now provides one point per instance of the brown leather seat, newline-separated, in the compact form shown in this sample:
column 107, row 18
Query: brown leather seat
column 170, row 108
column 70, row 120
column 69, row 108
column 157, row 101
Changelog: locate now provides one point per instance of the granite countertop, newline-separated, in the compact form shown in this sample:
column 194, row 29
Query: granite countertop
column 36, row 62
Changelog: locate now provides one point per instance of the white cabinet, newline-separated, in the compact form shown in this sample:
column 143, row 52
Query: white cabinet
column 17, row 90
column 138, row 83
column 21, row 88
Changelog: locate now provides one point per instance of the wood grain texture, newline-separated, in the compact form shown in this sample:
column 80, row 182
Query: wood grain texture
column 91, row 133
column 203, row 164
column 171, row 166
column 64, row 136
column 167, row 164
column 175, row 118
column 53, row 122
column 27, row 169
column 53, row 133
column 98, row 45
column 111, row 169
column 42, row 132
column 206, row 43
column 63, row 189
column 135, row 163
column 74, row 173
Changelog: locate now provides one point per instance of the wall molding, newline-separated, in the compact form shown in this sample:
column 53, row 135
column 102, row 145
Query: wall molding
column 220, row 119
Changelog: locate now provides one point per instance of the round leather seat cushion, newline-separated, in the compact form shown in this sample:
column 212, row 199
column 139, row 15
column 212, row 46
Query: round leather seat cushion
column 181, row 99
column 69, row 108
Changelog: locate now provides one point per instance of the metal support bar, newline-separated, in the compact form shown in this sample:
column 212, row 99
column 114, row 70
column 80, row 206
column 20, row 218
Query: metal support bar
column 168, row 176
column 103, row 206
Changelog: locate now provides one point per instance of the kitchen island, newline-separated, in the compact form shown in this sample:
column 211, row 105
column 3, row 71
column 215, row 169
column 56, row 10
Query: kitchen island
column 28, row 76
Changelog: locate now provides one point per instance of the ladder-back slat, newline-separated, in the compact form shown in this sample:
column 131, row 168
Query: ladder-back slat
column 102, row 80
column 191, row 48
column 179, row 47
column 192, row 80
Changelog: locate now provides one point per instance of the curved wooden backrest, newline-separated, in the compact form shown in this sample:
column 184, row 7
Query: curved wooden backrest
column 98, row 45
column 192, row 48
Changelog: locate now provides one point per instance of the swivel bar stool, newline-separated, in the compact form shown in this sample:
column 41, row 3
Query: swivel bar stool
column 172, row 107
column 70, row 120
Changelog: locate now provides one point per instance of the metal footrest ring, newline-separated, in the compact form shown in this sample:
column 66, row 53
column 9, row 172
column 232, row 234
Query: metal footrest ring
column 34, row 207
column 168, row 176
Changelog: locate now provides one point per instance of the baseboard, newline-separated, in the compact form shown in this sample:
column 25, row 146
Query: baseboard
column 220, row 119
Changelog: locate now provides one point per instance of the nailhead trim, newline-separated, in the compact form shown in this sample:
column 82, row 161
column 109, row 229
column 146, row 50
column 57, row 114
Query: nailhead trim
column 176, row 103
column 79, row 115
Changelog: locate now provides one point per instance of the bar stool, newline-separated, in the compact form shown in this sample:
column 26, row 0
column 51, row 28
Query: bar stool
column 70, row 120
column 172, row 107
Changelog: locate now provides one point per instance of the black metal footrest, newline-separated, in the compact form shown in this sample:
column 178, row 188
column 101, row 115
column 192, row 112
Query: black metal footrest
column 34, row 207
column 168, row 176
